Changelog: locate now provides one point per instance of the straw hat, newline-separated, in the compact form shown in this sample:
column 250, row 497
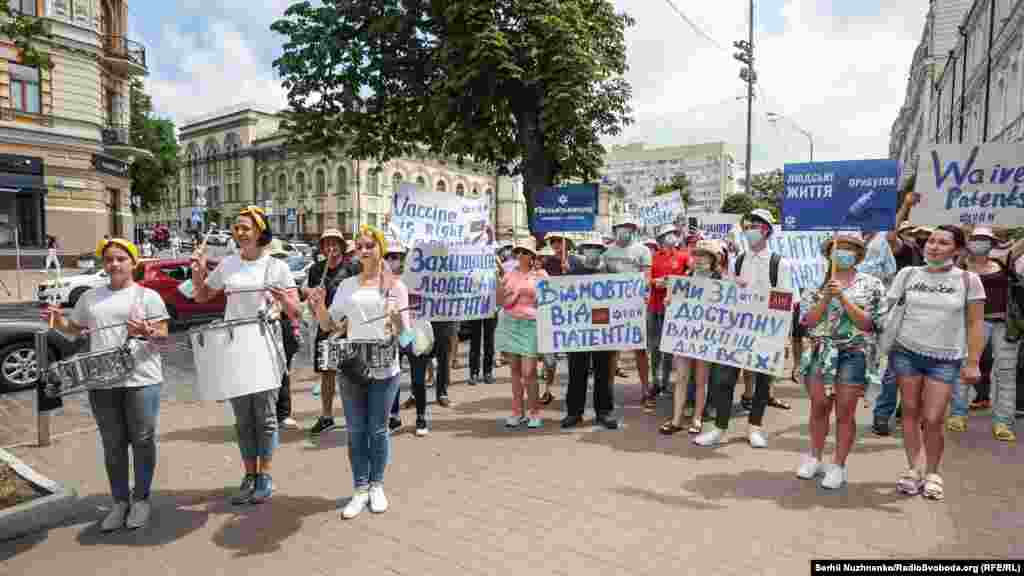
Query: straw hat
column 712, row 248
column 984, row 232
column 528, row 244
column 849, row 237
column 555, row 236
column 593, row 241
column 546, row 251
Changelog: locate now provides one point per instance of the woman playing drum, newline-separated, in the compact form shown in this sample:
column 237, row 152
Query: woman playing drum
column 125, row 412
column 251, row 278
column 372, row 308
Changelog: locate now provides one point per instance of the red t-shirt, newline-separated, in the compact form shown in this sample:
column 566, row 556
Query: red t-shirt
column 666, row 262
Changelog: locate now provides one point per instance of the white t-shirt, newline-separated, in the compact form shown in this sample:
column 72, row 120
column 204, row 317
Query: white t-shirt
column 233, row 273
column 102, row 307
column 633, row 258
column 756, row 272
column 359, row 303
column 934, row 323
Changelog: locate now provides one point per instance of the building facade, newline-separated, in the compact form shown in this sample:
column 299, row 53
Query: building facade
column 638, row 169
column 65, row 143
column 967, row 79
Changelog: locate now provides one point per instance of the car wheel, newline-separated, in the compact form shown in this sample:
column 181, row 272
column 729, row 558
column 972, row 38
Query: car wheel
column 75, row 295
column 18, row 367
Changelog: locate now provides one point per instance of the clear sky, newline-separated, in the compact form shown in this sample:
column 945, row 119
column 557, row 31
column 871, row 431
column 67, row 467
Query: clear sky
column 837, row 68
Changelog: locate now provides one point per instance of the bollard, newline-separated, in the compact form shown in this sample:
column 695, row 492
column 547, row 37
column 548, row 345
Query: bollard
column 42, row 364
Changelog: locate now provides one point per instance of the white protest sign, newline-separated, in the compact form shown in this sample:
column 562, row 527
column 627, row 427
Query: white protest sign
column 452, row 282
column 592, row 312
column 719, row 226
column 971, row 185
column 421, row 216
column 803, row 250
column 720, row 322
column 658, row 211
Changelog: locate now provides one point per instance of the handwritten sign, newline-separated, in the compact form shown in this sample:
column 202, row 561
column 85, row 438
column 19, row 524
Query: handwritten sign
column 719, row 226
column 720, row 322
column 980, row 185
column 452, row 282
column 658, row 211
column 421, row 216
column 803, row 250
column 596, row 312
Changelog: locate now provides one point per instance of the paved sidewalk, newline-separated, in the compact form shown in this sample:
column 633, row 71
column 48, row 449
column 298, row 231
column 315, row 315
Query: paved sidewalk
column 472, row 498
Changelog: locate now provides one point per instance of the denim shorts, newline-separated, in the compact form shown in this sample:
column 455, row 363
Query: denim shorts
column 907, row 364
column 851, row 368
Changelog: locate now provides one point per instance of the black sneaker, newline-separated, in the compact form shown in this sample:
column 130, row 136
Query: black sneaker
column 880, row 427
column 607, row 422
column 394, row 423
column 473, row 380
column 747, row 403
column 488, row 378
column 323, row 424
column 571, row 421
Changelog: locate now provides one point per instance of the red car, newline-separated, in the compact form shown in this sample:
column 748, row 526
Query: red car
column 164, row 276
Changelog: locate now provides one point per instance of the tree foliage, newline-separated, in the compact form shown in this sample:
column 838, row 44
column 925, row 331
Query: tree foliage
column 739, row 203
column 527, row 86
column 151, row 175
column 768, row 185
column 24, row 31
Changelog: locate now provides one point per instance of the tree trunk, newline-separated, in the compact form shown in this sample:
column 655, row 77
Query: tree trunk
column 537, row 167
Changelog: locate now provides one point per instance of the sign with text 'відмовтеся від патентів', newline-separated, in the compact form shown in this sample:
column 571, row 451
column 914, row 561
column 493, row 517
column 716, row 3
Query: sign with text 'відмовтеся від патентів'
column 592, row 312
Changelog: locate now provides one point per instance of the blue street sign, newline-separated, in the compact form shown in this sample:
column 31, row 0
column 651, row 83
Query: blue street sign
column 197, row 216
column 292, row 216
column 570, row 208
column 849, row 195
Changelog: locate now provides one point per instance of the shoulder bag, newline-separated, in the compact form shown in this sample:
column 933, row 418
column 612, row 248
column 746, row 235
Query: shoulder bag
column 894, row 319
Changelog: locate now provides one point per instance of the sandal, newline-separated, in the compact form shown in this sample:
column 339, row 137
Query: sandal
column 910, row 482
column 981, row 405
column 696, row 427
column 1003, row 433
column 547, row 398
column 933, row 487
column 668, row 428
column 956, row 423
column 776, row 403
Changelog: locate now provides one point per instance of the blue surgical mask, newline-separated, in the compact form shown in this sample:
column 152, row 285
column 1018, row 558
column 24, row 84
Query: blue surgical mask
column 669, row 240
column 754, row 235
column 979, row 247
column 844, row 259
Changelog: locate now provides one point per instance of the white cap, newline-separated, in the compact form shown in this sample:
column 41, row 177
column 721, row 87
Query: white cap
column 666, row 229
column 762, row 214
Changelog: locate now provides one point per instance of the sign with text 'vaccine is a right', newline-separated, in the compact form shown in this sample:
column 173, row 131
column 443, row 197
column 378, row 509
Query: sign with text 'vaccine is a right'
column 849, row 195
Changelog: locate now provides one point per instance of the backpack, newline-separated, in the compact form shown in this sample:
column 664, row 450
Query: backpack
column 773, row 267
column 1015, row 303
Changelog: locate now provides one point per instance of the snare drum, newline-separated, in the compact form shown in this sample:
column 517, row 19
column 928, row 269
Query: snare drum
column 376, row 354
column 90, row 370
column 237, row 357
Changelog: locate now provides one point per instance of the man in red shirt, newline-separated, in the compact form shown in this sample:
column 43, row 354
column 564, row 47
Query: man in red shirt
column 668, row 260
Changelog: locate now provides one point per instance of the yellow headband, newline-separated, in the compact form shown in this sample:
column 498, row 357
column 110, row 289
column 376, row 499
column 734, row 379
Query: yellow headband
column 257, row 214
column 377, row 235
column 130, row 248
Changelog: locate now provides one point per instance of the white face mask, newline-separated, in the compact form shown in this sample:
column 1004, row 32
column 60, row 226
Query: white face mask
column 669, row 240
column 623, row 236
column 754, row 235
column 979, row 247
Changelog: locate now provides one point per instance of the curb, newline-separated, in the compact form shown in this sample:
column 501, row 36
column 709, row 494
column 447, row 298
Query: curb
column 37, row 514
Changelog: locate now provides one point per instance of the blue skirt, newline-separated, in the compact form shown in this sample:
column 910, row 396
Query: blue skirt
column 516, row 336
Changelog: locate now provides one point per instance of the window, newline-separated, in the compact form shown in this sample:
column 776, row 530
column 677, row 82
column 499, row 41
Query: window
column 476, row 193
column 460, row 190
column 24, row 6
column 441, row 186
column 24, row 88
column 82, row 12
column 319, row 223
column 396, row 180
column 300, row 184
column 420, row 181
column 342, row 181
column 342, row 221
column 282, row 186
column 321, row 184
column 265, row 189
column 371, row 219
column 372, row 183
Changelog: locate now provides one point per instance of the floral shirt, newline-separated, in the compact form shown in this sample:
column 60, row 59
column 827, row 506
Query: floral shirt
column 838, row 333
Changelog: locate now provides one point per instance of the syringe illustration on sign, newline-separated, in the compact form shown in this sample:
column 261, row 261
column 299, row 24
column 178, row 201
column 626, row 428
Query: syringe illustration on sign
column 862, row 210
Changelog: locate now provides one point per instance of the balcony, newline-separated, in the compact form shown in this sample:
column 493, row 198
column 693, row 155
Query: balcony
column 117, row 141
column 125, row 57
column 14, row 115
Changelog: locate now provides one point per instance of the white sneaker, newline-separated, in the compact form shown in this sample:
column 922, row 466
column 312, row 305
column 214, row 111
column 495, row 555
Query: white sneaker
column 289, row 423
column 356, row 505
column 810, row 468
column 139, row 515
column 514, row 421
column 378, row 501
column 757, row 438
column 835, row 477
column 710, row 439
column 115, row 519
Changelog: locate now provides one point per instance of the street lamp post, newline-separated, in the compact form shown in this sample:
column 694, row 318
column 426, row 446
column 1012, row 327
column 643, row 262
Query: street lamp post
column 773, row 118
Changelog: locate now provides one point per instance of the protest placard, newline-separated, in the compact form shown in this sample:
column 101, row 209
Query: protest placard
column 720, row 322
column 718, row 226
column 979, row 185
column 594, row 312
column 849, row 195
column 452, row 282
column 659, row 210
column 569, row 208
column 418, row 215
column 803, row 250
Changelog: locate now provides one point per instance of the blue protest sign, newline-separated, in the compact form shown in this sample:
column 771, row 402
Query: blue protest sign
column 570, row 208
column 848, row 195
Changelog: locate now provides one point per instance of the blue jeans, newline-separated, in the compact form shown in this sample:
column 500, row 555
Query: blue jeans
column 885, row 404
column 127, row 417
column 369, row 440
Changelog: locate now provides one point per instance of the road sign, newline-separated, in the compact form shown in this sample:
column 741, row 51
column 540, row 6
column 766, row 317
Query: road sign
column 197, row 216
column 292, row 217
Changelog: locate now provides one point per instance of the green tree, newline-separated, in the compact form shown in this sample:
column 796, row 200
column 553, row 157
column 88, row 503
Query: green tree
column 768, row 185
column 527, row 86
column 150, row 175
column 738, row 203
column 24, row 31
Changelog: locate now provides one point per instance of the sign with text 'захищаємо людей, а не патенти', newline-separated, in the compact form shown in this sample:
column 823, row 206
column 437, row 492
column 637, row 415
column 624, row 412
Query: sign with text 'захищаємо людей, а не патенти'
column 720, row 322
column 592, row 312
column 981, row 185
column 418, row 215
column 569, row 208
column 452, row 282
column 849, row 195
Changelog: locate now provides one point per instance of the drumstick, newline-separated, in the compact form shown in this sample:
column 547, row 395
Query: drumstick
column 386, row 315
column 110, row 326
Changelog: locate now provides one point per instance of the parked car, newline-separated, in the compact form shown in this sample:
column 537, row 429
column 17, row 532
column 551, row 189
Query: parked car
column 18, row 367
column 69, row 289
column 165, row 276
column 303, row 248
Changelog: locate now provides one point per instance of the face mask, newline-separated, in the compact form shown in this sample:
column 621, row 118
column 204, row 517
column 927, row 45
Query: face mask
column 701, row 268
column 845, row 259
column 754, row 235
column 623, row 236
column 669, row 240
column 979, row 247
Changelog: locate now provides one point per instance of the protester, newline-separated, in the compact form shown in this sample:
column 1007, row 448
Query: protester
column 125, row 412
column 327, row 274
column 291, row 346
column 668, row 260
column 394, row 260
column 516, row 334
column 629, row 255
column 841, row 317
column 938, row 344
column 369, row 307
column 250, row 270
